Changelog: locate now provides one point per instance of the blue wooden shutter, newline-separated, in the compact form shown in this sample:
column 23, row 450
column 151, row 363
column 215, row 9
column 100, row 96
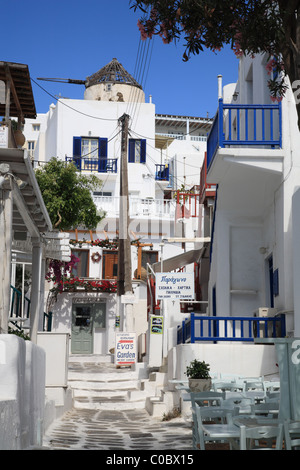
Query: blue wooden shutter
column 102, row 154
column 102, row 147
column 76, row 146
column 131, row 148
column 143, row 151
column 275, row 283
column 77, row 152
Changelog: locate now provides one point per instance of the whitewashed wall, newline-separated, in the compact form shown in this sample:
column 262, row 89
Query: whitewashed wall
column 239, row 359
column 22, row 393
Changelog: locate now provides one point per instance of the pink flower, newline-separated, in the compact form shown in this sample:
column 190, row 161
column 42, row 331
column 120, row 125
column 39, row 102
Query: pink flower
column 142, row 30
column 270, row 65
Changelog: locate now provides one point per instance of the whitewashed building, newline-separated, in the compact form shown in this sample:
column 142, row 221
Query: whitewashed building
column 250, row 185
column 257, row 172
column 165, row 153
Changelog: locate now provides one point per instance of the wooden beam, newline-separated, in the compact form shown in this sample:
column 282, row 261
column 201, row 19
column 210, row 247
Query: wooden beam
column 15, row 96
column 23, row 210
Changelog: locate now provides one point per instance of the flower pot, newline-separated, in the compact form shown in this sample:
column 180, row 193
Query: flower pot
column 199, row 385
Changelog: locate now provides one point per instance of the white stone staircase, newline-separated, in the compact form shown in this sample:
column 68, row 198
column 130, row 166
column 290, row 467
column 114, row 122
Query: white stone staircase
column 97, row 384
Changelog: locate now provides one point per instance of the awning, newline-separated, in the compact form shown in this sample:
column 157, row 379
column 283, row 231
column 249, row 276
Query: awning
column 29, row 211
column 179, row 261
column 21, row 96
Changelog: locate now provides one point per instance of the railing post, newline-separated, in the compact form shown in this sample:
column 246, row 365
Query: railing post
column 220, row 123
column 280, row 124
column 192, row 328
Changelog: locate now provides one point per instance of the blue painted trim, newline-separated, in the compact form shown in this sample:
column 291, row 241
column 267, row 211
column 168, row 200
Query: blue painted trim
column 216, row 137
column 186, row 333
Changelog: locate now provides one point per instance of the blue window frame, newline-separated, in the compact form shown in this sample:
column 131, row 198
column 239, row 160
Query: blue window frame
column 137, row 151
column 97, row 156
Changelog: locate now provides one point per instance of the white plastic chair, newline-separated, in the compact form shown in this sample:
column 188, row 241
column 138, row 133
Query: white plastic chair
column 250, row 437
column 292, row 435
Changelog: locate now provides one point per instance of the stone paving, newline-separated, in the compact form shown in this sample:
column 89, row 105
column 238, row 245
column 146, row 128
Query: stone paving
column 81, row 429
column 114, row 429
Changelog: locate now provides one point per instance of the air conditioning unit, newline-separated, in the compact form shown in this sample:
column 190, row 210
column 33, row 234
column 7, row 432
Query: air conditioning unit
column 265, row 312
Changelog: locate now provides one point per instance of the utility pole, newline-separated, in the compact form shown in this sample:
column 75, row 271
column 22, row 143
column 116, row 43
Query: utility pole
column 124, row 282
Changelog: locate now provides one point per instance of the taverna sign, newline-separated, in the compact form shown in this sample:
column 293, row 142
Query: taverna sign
column 175, row 286
column 125, row 351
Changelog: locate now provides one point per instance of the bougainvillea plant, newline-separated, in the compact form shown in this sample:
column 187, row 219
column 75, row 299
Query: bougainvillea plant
column 249, row 26
column 60, row 273
column 58, row 270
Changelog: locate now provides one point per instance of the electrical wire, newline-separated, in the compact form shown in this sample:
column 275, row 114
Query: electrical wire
column 70, row 107
column 157, row 150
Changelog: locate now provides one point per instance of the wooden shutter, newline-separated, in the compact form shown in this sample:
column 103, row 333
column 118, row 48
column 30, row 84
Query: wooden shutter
column 77, row 152
column 143, row 151
column 76, row 146
column 102, row 147
column 131, row 153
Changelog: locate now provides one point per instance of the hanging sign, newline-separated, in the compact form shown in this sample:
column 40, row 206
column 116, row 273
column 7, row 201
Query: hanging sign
column 125, row 351
column 175, row 286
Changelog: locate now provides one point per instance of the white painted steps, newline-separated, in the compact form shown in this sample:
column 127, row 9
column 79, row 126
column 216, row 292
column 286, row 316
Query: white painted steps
column 98, row 385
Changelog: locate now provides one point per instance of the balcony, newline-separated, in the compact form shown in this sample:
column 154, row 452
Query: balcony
column 138, row 207
column 94, row 165
column 244, row 131
column 162, row 172
column 200, row 328
column 187, row 205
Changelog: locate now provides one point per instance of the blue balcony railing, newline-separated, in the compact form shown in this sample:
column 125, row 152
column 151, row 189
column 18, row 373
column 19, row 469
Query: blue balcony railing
column 162, row 172
column 250, row 125
column 206, row 328
column 92, row 164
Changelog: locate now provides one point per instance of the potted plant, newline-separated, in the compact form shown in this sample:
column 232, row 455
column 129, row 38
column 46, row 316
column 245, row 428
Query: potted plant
column 198, row 375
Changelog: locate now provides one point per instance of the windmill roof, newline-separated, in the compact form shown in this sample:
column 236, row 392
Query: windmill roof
column 113, row 72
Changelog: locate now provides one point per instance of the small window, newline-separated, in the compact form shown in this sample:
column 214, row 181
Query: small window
column 35, row 127
column 81, row 269
column 31, row 144
column 102, row 193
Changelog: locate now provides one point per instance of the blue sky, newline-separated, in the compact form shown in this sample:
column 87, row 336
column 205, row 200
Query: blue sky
column 74, row 39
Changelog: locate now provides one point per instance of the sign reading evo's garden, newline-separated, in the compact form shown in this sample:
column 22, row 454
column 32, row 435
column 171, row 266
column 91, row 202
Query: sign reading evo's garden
column 175, row 286
column 125, row 351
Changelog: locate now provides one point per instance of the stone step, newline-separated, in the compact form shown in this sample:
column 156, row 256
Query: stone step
column 102, row 377
column 117, row 403
column 100, row 386
column 90, row 358
column 100, row 393
column 155, row 406
column 137, row 395
column 97, row 385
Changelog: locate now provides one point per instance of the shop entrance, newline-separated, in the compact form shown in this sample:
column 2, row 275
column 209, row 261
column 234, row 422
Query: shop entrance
column 86, row 317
